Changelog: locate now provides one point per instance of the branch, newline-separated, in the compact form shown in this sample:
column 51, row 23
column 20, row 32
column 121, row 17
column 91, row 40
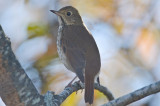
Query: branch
column 102, row 89
column 58, row 99
column 136, row 95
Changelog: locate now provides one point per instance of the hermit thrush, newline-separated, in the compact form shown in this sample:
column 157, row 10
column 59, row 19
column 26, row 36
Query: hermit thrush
column 77, row 49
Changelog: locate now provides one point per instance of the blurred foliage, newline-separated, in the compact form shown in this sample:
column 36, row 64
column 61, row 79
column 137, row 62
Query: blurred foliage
column 147, row 45
column 49, row 79
column 105, row 9
column 37, row 29
column 72, row 100
column 47, row 57
column 42, row 62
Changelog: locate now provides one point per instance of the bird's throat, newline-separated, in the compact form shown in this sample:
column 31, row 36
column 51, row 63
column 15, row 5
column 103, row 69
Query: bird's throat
column 61, row 21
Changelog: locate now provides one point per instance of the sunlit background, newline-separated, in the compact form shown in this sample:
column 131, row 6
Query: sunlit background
column 127, row 33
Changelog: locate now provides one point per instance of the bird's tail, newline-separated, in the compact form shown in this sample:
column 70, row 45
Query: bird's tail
column 89, row 89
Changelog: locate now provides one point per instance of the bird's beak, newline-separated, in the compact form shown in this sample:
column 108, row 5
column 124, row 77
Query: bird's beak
column 56, row 12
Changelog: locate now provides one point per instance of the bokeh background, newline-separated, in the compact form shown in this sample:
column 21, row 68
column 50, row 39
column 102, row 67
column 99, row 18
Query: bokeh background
column 127, row 33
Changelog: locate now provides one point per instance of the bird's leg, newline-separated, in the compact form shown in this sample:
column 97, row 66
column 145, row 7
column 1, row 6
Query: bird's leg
column 70, row 83
column 98, row 81
column 79, row 84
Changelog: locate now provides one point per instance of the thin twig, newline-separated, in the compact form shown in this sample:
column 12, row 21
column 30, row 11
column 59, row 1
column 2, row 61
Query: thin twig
column 136, row 95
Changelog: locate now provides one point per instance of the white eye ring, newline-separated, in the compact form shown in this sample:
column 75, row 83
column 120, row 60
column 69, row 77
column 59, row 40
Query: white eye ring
column 69, row 13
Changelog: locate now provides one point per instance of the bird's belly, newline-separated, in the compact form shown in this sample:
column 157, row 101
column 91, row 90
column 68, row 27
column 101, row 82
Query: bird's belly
column 61, row 53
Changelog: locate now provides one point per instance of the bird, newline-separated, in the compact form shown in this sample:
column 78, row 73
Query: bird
column 77, row 49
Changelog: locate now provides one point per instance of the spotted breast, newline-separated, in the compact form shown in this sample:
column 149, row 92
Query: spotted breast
column 61, row 49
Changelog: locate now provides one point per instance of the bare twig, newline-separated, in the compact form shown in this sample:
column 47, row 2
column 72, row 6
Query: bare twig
column 102, row 89
column 105, row 91
column 136, row 95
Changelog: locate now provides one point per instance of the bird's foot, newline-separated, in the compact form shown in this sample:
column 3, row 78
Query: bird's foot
column 79, row 84
column 98, row 81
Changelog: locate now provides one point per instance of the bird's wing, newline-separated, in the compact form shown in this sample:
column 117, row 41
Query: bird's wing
column 75, row 53
column 77, row 61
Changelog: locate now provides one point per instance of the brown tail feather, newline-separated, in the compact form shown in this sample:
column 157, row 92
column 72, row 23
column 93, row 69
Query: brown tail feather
column 89, row 89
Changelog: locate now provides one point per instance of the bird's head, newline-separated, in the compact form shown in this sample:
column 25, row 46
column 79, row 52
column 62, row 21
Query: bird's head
column 68, row 16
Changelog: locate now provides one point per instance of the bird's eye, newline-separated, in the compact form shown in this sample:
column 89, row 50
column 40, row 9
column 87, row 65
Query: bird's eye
column 69, row 13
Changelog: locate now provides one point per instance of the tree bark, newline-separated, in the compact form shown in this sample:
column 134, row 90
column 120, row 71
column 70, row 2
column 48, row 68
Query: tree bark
column 16, row 89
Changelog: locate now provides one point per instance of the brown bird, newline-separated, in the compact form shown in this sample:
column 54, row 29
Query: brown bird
column 77, row 49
